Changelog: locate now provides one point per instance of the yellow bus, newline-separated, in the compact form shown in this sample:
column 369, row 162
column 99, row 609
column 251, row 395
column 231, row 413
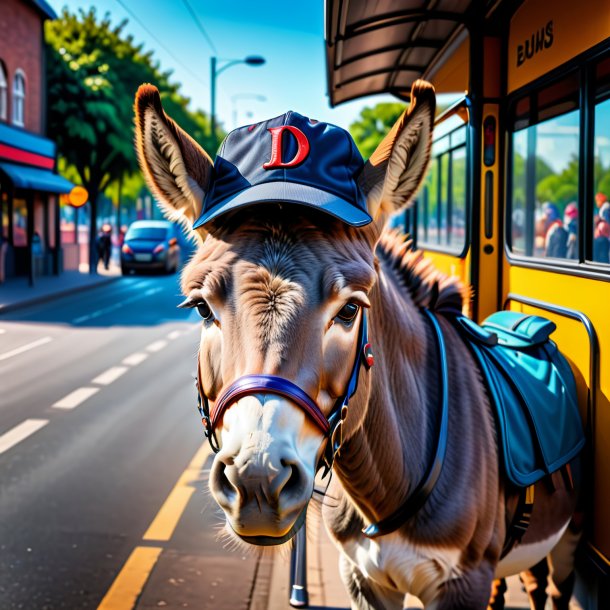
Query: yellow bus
column 516, row 200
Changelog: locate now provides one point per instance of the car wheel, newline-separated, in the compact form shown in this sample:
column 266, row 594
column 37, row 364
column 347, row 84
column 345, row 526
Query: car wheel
column 125, row 270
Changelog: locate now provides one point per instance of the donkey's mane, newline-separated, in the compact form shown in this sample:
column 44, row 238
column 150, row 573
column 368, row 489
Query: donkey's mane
column 427, row 286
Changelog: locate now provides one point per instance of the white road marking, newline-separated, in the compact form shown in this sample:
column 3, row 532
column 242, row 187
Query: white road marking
column 174, row 334
column 75, row 398
column 21, row 432
column 157, row 346
column 135, row 359
column 2, row 331
column 111, row 308
column 25, row 348
column 112, row 374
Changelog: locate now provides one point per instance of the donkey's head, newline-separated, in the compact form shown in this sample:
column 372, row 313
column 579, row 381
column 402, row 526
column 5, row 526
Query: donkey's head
column 288, row 218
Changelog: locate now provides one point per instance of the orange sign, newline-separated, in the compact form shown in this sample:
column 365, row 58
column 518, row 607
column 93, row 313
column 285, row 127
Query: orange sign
column 78, row 196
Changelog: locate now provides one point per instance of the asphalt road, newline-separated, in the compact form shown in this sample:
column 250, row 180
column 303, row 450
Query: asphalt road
column 103, row 466
column 103, row 500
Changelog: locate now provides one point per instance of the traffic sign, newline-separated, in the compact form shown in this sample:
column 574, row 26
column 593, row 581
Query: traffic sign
column 78, row 196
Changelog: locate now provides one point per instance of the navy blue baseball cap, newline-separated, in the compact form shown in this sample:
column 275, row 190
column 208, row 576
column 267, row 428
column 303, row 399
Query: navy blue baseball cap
column 289, row 159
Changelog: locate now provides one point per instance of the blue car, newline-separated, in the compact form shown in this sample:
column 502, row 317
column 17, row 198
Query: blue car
column 150, row 245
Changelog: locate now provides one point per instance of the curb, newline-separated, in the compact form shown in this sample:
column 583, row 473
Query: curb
column 56, row 295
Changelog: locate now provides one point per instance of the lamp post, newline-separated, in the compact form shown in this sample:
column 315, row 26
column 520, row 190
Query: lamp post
column 251, row 60
column 244, row 96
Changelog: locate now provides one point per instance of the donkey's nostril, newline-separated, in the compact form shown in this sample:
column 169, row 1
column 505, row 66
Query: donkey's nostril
column 293, row 479
column 221, row 485
column 294, row 482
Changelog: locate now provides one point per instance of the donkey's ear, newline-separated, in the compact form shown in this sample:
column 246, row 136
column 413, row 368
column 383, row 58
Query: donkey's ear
column 396, row 169
column 177, row 170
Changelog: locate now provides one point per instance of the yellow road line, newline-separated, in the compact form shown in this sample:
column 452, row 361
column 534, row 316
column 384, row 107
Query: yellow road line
column 167, row 518
column 124, row 592
column 126, row 588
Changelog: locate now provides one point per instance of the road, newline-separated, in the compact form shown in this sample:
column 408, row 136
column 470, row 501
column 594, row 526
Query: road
column 103, row 466
column 103, row 500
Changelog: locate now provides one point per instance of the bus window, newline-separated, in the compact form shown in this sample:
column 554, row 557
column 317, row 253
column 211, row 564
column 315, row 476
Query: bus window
column 441, row 204
column 544, row 169
column 601, row 209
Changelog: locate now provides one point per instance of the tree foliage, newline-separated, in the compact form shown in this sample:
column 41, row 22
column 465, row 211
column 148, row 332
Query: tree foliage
column 93, row 72
column 373, row 125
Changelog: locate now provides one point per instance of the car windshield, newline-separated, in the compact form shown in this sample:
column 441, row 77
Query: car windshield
column 151, row 233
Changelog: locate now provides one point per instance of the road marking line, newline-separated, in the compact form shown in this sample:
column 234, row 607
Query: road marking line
column 112, row 374
column 135, row 359
column 20, row 432
column 25, row 348
column 164, row 524
column 174, row 334
column 157, row 346
column 111, row 308
column 75, row 398
column 127, row 587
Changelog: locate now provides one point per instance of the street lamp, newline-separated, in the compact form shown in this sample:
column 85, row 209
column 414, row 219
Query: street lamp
column 250, row 60
column 244, row 96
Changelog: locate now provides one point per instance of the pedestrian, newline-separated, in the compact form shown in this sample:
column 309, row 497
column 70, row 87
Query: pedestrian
column 556, row 237
column 104, row 245
column 570, row 222
column 601, row 236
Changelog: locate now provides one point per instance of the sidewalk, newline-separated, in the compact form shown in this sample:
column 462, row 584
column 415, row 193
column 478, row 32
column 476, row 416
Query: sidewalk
column 16, row 293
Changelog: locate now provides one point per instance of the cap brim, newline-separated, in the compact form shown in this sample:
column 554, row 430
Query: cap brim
column 289, row 192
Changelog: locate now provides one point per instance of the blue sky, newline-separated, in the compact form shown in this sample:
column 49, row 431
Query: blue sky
column 288, row 34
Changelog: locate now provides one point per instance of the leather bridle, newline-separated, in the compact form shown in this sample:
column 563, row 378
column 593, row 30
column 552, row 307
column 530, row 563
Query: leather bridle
column 331, row 427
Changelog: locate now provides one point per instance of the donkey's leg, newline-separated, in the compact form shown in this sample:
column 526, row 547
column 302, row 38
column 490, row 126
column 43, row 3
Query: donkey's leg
column 468, row 592
column 498, row 589
column 535, row 580
column 561, row 563
column 364, row 593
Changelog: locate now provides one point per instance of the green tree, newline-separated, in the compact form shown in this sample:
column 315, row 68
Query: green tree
column 373, row 124
column 93, row 72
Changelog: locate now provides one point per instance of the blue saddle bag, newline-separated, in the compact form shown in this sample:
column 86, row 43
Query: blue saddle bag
column 532, row 388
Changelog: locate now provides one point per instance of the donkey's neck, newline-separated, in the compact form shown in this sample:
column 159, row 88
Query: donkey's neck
column 387, row 456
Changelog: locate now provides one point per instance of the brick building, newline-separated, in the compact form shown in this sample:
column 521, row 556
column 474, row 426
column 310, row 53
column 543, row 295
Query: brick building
column 29, row 185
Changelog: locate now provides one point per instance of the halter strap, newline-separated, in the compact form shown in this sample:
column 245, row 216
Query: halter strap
column 268, row 384
column 271, row 384
column 418, row 498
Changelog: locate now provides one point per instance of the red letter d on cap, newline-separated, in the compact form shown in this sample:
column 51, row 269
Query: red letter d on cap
column 276, row 147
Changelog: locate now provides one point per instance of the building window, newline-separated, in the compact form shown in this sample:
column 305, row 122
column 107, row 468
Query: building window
column 19, row 99
column 545, row 210
column 3, row 93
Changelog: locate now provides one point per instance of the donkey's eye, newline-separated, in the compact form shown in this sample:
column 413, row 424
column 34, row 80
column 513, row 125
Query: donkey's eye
column 204, row 311
column 348, row 312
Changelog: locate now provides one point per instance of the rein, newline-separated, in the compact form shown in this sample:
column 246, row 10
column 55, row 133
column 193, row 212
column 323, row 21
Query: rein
column 419, row 496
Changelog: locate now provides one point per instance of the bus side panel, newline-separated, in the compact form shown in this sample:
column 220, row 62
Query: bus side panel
column 591, row 298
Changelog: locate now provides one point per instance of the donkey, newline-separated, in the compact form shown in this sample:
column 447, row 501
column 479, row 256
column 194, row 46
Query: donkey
column 290, row 282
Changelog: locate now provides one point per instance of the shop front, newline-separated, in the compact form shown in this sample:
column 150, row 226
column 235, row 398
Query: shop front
column 30, row 243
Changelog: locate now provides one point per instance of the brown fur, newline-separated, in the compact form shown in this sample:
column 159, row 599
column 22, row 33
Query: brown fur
column 275, row 278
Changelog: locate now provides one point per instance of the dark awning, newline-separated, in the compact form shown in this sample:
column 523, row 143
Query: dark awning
column 35, row 179
column 383, row 46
